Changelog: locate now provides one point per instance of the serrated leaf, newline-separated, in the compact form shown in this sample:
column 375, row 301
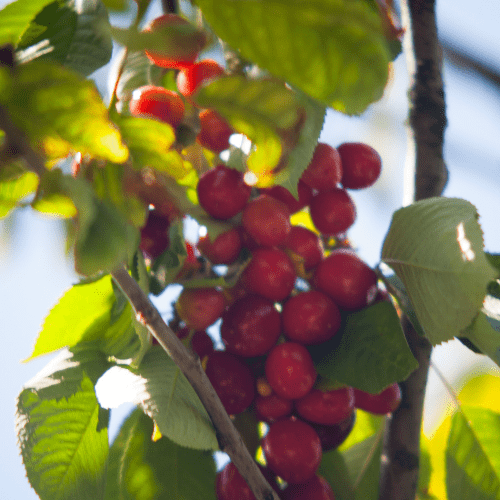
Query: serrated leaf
column 62, row 429
column 484, row 336
column 333, row 50
column 14, row 188
column 141, row 469
column 60, row 111
column 472, row 456
column 165, row 395
column 372, row 353
column 435, row 246
column 69, row 33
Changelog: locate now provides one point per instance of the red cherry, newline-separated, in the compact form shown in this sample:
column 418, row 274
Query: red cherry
column 251, row 326
column 200, row 307
column 385, row 402
column 343, row 276
column 202, row 343
column 332, row 436
column 224, row 249
column 188, row 47
column 290, row 370
column 215, row 131
column 361, row 165
column 270, row 273
column 267, row 220
column 317, row 488
column 271, row 408
column 292, row 450
column 328, row 407
column 333, row 212
column 232, row 380
column 306, row 244
column 310, row 318
column 282, row 194
column 192, row 77
column 222, row 192
column 325, row 169
column 154, row 235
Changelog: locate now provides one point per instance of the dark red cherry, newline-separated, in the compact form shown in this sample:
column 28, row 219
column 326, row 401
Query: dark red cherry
column 154, row 235
column 333, row 212
column 326, row 407
column 385, row 402
column 273, row 407
column 224, row 249
column 325, row 169
column 317, row 488
column 202, row 344
column 306, row 244
column 332, row 436
column 361, row 165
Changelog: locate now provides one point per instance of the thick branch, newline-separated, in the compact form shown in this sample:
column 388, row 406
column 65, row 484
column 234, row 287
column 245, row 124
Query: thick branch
column 229, row 439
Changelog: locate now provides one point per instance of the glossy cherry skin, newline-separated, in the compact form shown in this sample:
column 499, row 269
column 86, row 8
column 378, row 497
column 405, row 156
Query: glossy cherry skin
column 281, row 193
column 326, row 407
column 306, row 244
column 349, row 281
column 273, row 407
column 361, row 165
column 202, row 344
column 290, row 370
column 222, row 192
column 200, row 307
column 379, row 404
column 251, row 326
column 325, row 169
column 310, row 318
column 333, row 212
column 154, row 235
column 270, row 273
column 190, row 78
column 267, row 220
column 332, row 436
column 292, row 450
column 215, row 131
column 317, row 488
column 232, row 380
column 224, row 249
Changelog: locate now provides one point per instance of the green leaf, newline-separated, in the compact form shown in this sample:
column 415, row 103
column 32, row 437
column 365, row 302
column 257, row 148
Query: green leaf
column 16, row 17
column 372, row 353
column 484, row 336
column 117, row 5
column 435, row 246
column 62, row 112
column 140, row 469
column 472, row 456
column 164, row 393
column 333, row 50
column 334, row 469
column 70, row 34
column 494, row 259
column 15, row 184
column 62, row 429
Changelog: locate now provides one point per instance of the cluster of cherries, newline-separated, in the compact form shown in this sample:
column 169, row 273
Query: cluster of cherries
column 269, row 318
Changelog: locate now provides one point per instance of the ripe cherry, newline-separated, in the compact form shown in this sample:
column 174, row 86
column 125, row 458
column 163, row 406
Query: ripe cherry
column 385, row 402
column 281, row 193
column 325, row 169
column 332, row 436
column 290, row 370
column 306, row 244
column 267, row 220
column 224, row 249
column 190, row 78
column 200, row 307
column 222, row 192
column 232, row 380
column 361, row 165
column 215, row 131
column 317, row 488
column 292, row 450
column 333, row 212
column 343, row 276
column 159, row 103
column 270, row 273
column 154, row 235
column 310, row 318
column 326, row 407
column 202, row 343
column 273, row 407
column 251, row 326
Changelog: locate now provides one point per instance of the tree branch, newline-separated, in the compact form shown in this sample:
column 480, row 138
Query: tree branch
column 425, row 176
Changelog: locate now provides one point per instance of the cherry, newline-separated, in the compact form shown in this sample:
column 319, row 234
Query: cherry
column 325, row 169
column 251, row 326
column 361, row 165
column 270, row 273
column 281, row 193
column 310, row 318
column 290, row 370
column 159, row 103
column 224, row 249
column 385, row 402
column 333, row 212
column 292, row 450
column 306, row 244
column 222, row 192
column 273, row 407
column 332, row 436
column 202, row 343
column 317, row 488
column 154, row 235
column 200, row 307
column 267, row 220
column 190, row 47
column 190, row 78
column 346, row 279
column 232, row 380
column 215, row 131
column 326, row 407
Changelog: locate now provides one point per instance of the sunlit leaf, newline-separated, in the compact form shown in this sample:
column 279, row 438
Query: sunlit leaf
column 14, row 186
